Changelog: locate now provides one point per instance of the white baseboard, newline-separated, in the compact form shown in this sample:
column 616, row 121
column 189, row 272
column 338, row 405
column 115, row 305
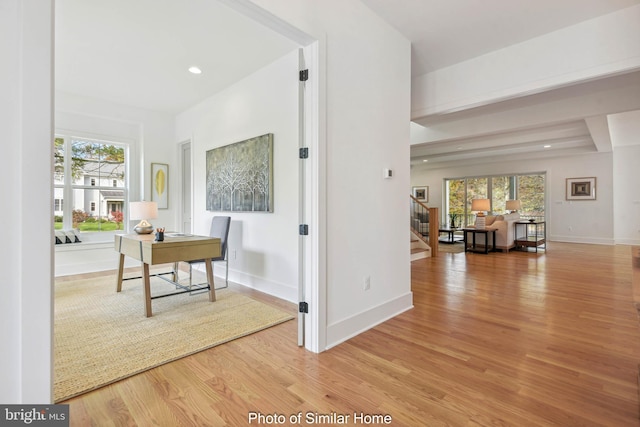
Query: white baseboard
column 628, row 242
column 580, row 239
column 279, row 290
column 345, row 329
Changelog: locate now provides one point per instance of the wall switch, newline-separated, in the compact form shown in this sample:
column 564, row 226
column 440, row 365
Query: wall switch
column 387, row 173
column 367, row 283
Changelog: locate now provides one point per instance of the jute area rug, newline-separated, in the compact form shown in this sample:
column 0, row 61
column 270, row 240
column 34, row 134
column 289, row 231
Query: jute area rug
column 102, row 336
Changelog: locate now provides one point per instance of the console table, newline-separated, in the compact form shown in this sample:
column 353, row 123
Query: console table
column 144, row 248
column 474, row 232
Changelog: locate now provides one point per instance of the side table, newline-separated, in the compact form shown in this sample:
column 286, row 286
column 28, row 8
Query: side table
column 534, row 235
column 451, row 236
column 474, row 232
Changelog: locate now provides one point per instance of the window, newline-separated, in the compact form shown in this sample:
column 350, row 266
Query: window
column 529, row 189
column 90, row 174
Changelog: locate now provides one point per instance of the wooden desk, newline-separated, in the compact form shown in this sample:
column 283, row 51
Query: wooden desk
column 172, row 250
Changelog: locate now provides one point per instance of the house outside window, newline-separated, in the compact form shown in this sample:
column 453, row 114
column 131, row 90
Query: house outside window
column 91, row 175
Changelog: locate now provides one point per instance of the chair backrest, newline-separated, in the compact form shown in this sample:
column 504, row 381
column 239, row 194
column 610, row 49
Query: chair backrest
column 220, row 228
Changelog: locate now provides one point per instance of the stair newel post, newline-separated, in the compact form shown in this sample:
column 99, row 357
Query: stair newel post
column 434, row 226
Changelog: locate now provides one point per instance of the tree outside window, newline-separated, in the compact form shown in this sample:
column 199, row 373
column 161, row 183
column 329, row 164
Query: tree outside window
column 529, row 189
column 92, row 178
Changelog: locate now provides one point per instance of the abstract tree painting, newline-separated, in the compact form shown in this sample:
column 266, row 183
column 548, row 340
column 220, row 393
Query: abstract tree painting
column 240, row 176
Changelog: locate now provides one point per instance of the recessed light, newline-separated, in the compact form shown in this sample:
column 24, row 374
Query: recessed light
column 547, row 146
column 459, row 148
column 425, row 160
column 195, row 70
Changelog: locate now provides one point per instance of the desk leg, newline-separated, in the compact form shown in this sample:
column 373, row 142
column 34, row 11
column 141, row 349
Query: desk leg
column 147, row 289
column 175, row 271
column 212, row 290
column 120, row 273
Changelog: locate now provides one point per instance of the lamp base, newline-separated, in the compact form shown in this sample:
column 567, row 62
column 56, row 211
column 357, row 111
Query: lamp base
column 143, row 230
column 481, row 222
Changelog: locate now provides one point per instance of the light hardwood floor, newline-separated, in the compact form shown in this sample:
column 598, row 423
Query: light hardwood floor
column 518, row 339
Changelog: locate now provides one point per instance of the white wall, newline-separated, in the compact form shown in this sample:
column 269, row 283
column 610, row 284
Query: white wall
column 585, row 221
column 26, row 258
column 263, row 247
column 10, row 118
column 627, row 193
column 363, row 128
column 150, row 138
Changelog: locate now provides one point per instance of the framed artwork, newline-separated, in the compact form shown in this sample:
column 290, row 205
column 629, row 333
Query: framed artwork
column 421, row 193
column 160, row 184
column 581, row 188
column 240, row 176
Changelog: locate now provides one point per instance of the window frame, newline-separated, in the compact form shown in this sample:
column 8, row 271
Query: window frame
column 513, row 179
column 68, row 187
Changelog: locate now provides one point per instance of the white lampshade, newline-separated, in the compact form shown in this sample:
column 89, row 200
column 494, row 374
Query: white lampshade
column 143, row 210
column 480, row 205
column 513, row 205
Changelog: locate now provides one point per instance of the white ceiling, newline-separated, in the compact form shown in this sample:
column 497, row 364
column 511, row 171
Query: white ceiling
column 445, row 32
column 137, row 53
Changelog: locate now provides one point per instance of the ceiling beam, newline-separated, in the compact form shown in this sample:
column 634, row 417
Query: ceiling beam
column 600, row 97
column 599, row 129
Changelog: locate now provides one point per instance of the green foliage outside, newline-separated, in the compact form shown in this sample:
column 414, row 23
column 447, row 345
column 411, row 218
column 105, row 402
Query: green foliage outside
column 530, row 190
column 85, row 223
column 87, row 157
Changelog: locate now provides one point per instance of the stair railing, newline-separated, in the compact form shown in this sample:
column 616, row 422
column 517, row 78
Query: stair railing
column 424, row 221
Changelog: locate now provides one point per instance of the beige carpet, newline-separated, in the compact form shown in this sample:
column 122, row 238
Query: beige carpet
column 102, row 336
column 454, row 248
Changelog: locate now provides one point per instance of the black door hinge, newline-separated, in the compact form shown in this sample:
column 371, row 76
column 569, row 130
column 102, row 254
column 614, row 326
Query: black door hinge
column 304, row 153
column 303, row 307
column 304, row 230
column 304, row 75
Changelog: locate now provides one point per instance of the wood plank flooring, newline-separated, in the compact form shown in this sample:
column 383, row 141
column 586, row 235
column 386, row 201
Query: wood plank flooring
column 517, row 339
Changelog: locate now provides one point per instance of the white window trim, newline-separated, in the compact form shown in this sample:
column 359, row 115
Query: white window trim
column 101, row 237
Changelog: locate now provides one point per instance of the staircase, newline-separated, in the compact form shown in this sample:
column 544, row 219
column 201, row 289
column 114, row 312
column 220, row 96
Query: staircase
column 419, row 247
column 424, row 225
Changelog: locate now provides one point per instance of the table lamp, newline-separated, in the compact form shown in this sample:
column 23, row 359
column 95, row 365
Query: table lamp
column 480, row 206
column 513, row 205
column 143, row 211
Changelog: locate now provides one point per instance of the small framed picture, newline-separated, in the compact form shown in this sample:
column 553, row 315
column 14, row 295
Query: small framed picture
column 160, row 184
column 581, row 188
column 421, row 193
